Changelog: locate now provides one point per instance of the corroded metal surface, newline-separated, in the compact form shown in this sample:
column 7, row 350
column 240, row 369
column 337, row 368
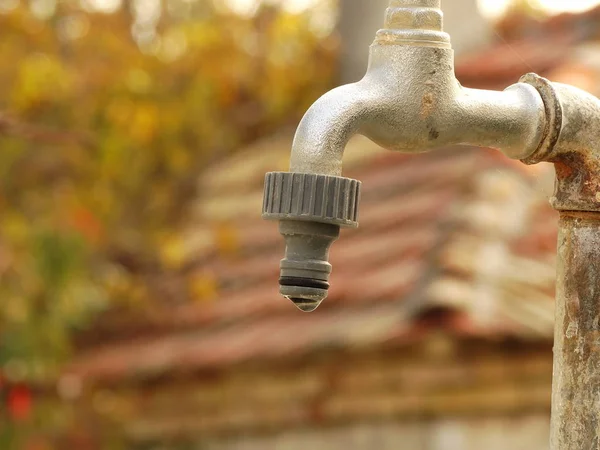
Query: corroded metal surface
column 576, row 385
column 572, row 143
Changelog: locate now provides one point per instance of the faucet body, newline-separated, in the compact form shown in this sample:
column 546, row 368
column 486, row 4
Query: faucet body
column 410, row 101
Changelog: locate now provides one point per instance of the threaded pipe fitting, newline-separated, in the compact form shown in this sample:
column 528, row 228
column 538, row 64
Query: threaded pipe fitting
column 311, row 209
column 312, row 198
column 305, row 270
column 414, row 22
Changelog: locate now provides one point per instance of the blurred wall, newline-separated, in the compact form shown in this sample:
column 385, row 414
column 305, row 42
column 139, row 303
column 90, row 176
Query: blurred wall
column 525, row 432
column 360, row 20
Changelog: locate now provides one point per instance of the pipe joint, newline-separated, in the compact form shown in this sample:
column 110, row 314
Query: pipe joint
column 570, row 141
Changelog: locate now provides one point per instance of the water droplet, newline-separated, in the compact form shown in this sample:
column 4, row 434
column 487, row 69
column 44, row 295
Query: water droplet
column 305, row 305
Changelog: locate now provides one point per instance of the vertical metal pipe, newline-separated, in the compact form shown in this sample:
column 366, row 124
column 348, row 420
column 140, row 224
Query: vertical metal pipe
column 576, row 385
column 572, row 143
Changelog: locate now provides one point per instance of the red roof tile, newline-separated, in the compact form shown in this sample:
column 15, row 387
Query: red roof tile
column 508, row 61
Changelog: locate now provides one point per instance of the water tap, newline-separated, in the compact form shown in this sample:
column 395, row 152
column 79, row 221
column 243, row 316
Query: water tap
column 409, row 101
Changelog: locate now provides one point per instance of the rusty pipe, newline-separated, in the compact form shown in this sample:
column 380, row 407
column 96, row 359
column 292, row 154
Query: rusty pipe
column 572, row 142
column 576, row 384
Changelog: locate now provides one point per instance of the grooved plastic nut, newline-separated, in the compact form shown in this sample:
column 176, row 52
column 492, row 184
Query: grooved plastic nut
column 311, row 197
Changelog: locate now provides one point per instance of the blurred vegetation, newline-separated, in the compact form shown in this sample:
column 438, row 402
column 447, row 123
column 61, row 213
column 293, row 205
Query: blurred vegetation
column 108, row 114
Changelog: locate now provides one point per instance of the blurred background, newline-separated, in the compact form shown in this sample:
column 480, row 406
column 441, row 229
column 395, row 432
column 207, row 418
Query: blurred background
column 138, row 285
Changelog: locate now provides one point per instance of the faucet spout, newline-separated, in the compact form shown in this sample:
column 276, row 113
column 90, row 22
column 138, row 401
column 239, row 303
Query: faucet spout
column 327, row 127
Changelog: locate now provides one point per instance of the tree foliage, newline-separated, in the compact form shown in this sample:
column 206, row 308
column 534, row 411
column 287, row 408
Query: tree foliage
column 106, row 122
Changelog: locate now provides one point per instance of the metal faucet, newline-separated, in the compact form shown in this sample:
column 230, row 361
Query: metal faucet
column 410, row 101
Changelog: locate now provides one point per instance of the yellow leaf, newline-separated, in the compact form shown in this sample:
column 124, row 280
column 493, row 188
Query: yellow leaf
column 173, row 252
column 226, row 239
column 204, row 287
column 144, row 123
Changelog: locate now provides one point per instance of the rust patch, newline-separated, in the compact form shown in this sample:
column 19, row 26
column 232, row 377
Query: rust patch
column 434, row 134
column 563, row 170
column 427, row 105
column 572, row 145
column 582, row 215
column 577, row 182
column 593, row 341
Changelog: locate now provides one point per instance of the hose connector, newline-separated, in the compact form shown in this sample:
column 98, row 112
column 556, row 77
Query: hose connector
column 311, row 209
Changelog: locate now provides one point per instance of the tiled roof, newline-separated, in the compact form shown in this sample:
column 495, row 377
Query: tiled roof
column 461, row 240
column 507, row 61
column 457, row 231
